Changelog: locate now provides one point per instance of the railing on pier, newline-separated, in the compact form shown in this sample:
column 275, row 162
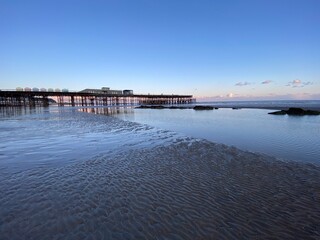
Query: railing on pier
column 38, row 98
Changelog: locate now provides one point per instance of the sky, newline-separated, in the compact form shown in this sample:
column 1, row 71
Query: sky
column 214, row 50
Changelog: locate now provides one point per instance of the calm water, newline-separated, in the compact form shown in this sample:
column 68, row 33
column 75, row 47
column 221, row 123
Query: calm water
column 287, row 137
column 57, row 136
column 284, row 104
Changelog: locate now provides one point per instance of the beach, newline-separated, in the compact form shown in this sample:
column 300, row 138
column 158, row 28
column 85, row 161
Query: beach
column 115, row 179
column 164, row 120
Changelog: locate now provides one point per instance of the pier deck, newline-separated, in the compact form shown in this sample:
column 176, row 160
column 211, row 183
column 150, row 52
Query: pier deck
column 39, row 98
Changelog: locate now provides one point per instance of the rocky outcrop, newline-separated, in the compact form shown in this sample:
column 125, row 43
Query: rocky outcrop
column 296, row 112
column 151, row 107
column 175, row 107
column 199, row 107
column 282, row 112
column 203, row 108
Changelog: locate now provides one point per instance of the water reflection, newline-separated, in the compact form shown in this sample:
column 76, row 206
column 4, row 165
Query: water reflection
column 109, row 110
column 8, row 112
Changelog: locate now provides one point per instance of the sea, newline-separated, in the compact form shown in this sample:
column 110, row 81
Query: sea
column 51, row 135
column 245, row 125
column 235, row 172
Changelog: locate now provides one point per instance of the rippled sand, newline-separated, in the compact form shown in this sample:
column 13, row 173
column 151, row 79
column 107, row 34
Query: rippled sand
column 190, row 189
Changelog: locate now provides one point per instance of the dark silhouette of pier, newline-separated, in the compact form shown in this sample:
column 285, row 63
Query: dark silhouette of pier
column 44, row 98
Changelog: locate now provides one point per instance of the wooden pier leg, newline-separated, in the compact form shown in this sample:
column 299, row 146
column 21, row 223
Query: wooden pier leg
column 72, row 101
column 45, row 101
column 31, row 101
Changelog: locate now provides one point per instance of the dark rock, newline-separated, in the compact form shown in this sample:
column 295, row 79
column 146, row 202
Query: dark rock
column 182, row 107
column 151, row 107
column 235, row 108
column 203, row 108
column 310, row 112
column 300, row 111
column 296, row 112
column 282, row 112
column 157, row 107
column 176, row 107
column 142, row 107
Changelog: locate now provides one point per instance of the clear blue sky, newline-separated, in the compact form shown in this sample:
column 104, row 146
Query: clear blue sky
column 230, row 49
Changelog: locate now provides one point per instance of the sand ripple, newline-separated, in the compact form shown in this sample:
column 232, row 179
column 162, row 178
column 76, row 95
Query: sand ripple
column 191, row 189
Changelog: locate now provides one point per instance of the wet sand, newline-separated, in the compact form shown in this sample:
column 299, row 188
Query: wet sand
column 190, row 189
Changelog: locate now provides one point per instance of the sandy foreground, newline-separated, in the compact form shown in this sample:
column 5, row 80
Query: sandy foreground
column 187, row 189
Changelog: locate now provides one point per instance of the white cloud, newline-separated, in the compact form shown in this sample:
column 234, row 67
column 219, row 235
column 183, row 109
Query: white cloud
column 241, row 84
column 298, row 83
column 266, row 82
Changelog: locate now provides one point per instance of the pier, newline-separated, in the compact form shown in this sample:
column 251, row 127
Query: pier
column 44, row 98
